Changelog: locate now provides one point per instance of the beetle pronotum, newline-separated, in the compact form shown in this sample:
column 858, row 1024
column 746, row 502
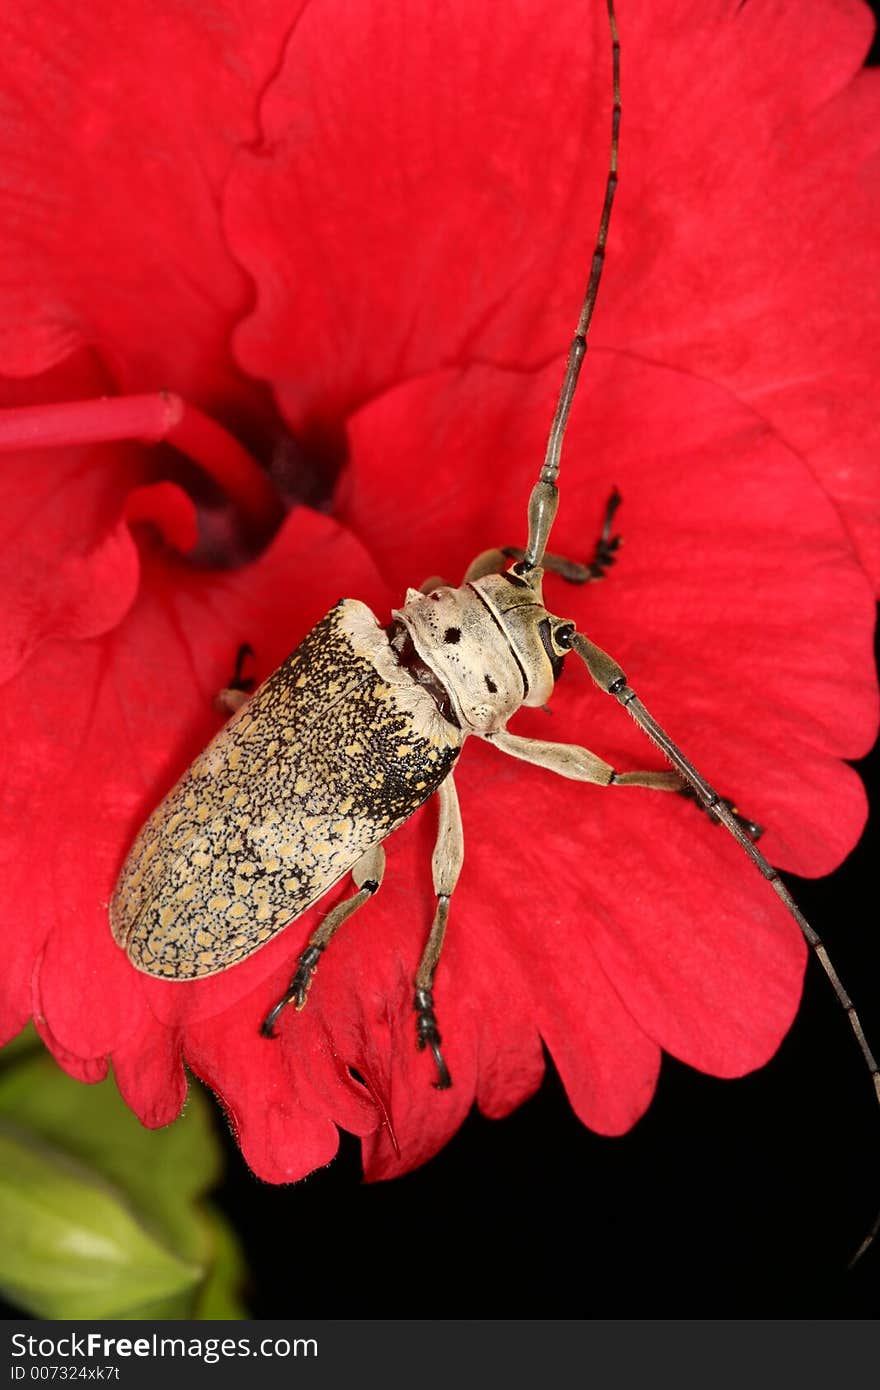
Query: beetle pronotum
column 452, row 662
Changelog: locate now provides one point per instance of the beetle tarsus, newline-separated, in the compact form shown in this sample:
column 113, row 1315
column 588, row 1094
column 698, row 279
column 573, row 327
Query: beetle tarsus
column 298, row 990
column 751, row 827
column 267, row 1027
column 428, row 1035
column 607, row 545
column 604, row 557
column 240, row 681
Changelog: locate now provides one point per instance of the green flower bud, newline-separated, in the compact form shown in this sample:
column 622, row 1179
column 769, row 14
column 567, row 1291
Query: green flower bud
column 73, row 1247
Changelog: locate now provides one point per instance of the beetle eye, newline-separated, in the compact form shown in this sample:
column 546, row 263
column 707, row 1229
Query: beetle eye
column 545, row 632
column 563, row 635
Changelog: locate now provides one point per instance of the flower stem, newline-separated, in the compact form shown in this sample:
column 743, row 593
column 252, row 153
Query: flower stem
column 159, row 417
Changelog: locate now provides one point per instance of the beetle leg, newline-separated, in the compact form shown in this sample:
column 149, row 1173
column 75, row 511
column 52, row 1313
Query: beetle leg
column 487, row 562
column 604, row 555
column 446, row 866
column 367, row 874
column 570, row 760
column 239, row 680
column 229, row 701
column 751, row 827
column 237, row 692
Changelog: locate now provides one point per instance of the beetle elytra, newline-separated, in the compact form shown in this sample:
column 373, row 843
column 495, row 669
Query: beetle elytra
column 363, row 724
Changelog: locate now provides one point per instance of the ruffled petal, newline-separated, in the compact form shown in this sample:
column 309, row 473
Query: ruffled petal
column 451, row 208
column 760, row 258
column 405, row 223
column 148, row 1068
column 118, row 126
column 68, row 566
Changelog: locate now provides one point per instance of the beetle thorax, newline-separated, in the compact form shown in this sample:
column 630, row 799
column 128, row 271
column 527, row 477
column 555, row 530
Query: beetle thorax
column 485, row 644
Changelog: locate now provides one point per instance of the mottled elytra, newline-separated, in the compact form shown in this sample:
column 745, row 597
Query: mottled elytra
column 363, row 723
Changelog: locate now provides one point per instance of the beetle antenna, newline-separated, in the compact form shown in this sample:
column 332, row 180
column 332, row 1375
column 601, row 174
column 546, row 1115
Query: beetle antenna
column 610, row 678
column 545, row 494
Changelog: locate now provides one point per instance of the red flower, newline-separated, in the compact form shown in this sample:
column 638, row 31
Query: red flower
column 418, row 249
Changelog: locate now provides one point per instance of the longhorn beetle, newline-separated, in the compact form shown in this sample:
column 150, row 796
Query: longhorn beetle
column 232, row 855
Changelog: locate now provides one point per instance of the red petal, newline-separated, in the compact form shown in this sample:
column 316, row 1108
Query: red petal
column 68, row 567
column 167, row 507
column 87, row 1069
column 148, row 1069
column 447, row 212
column 279, row 1139
column 404, row 220
column 766, row 282
column 110, row 212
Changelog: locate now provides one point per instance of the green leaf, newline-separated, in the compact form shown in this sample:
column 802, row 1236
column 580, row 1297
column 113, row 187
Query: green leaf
column 217, row 1297
column 28, row 1040
column 137, row 1189
column 72, row 1248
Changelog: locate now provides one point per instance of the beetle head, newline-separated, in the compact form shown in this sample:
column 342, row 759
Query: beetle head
column 491, row 643
column 537, row 639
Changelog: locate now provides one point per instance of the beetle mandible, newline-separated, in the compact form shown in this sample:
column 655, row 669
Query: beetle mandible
column 361, row 725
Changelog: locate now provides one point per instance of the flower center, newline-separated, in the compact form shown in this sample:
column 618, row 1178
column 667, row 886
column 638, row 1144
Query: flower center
column 235, row 504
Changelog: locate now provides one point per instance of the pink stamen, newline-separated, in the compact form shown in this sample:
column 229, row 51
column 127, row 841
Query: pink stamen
column 160, row 417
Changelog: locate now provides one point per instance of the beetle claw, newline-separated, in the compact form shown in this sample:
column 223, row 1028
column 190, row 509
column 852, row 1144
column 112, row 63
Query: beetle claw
column 267, row 1027
column 428, row 1035
column 298, row 991
column 444, row 1080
